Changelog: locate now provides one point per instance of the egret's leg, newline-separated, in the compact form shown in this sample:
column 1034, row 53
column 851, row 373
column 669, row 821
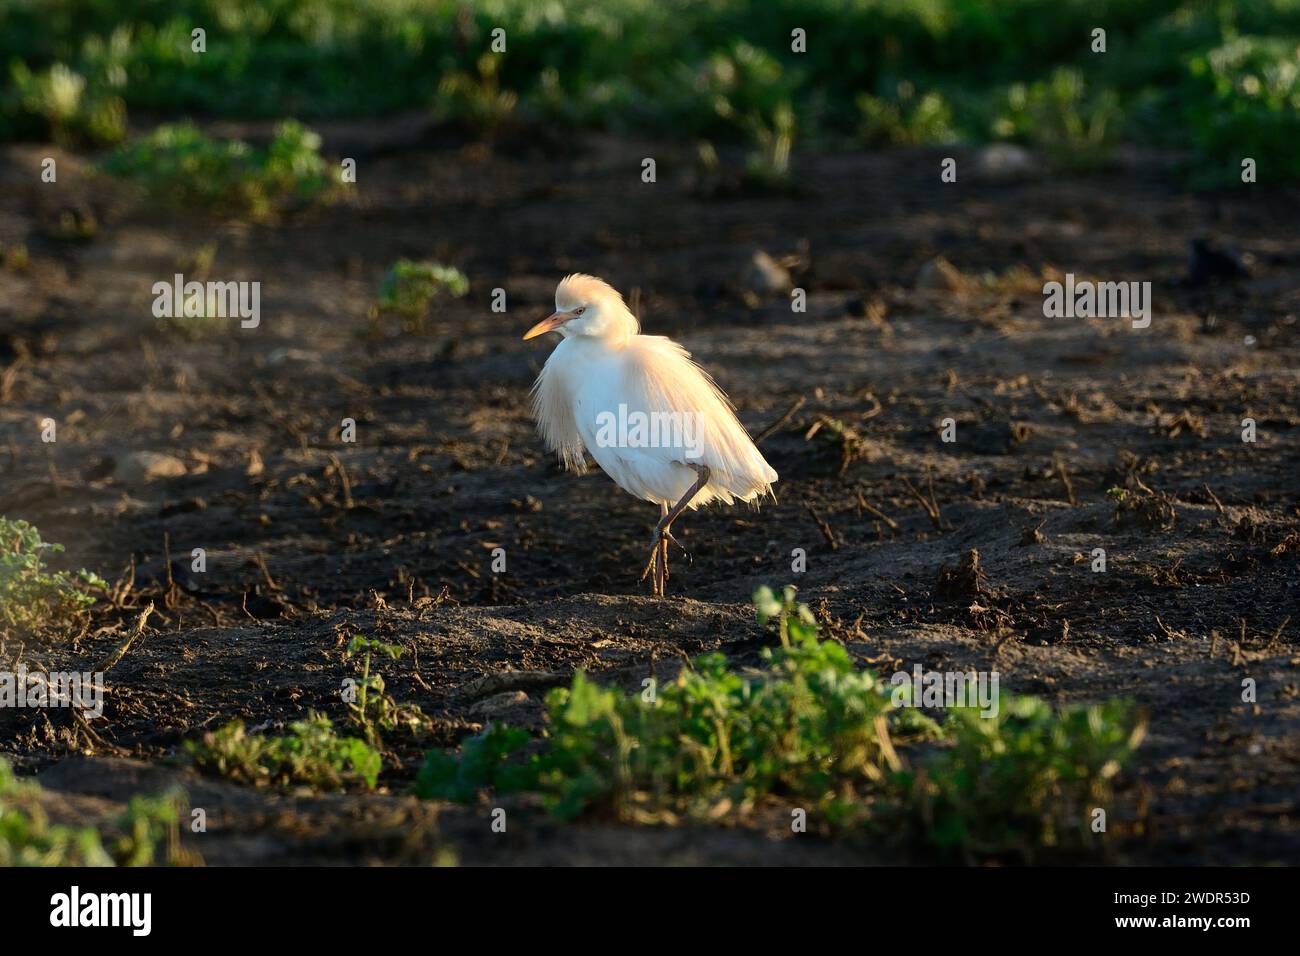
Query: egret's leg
column 663, row 554
column 663, row 533
column 666, row 522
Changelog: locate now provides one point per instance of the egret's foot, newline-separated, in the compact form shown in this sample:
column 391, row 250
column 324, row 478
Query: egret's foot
column 652, row 569
column 690, row 559
column 657, row 567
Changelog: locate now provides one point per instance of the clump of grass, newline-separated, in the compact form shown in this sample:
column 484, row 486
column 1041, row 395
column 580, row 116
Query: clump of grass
column 750, row 93
column 1148, row 509
column 75, row 224
column 476, row 100
column 844, row 440
column 32, row 597
column 312, row 754
column 198, row 263
column 1019, row 280
column 181, row 166
column 1075, row 126
column 201, row 314
column 807, row 727
column 906, row 118
column 147, row 834
column 409, row 288
column 1027, row 779
column 768, row 165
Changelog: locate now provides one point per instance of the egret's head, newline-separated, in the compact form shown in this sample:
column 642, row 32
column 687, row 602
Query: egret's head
column 587, row 306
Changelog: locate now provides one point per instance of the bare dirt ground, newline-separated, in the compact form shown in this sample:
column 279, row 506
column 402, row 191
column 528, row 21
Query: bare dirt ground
column 310, row 540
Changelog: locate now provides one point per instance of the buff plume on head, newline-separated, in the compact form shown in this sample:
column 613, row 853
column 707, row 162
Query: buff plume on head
column 588, row 307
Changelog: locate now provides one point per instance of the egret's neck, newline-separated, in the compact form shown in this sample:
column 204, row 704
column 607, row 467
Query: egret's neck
column 616, row 338
column 622, row 328
column 594, row 346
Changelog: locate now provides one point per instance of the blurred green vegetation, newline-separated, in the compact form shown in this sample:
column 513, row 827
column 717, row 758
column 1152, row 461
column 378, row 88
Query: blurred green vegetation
column 406, row 293
column 179, row 164
column 1217, row 78
column 147, row 834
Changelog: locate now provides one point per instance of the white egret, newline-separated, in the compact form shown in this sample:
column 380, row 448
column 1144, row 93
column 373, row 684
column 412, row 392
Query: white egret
column 653, row 420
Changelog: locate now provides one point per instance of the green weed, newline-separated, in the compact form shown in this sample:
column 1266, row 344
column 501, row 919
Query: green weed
column 750, row 92
column 476, row 100
column 311, row 754
column 180, row 166
column 906, row 118
column 149, row 833
column 371, row 708
column 409, row 288
column 806, row 723
column 32, row 597
column 1076, row 127
column 480, row 764
column 1028, row 779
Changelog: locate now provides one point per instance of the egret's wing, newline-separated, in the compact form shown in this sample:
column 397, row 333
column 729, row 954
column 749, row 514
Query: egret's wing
column 659, row 376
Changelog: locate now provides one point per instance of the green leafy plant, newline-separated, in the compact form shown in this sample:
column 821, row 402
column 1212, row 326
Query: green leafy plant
column 1025, row 780
column 750, row 92
column 32, row 597
column 409, row 288
column 181, row 166
column 372, row 708
column 768, row 165
column 311, row 754
column 480, row 764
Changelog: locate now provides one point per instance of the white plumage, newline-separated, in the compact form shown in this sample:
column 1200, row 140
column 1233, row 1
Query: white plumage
column 604, row 371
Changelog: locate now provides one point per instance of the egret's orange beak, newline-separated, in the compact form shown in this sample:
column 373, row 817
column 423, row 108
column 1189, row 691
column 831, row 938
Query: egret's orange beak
column 548, row 324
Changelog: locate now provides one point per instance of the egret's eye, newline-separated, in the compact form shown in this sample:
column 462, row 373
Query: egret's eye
column 579, row 311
